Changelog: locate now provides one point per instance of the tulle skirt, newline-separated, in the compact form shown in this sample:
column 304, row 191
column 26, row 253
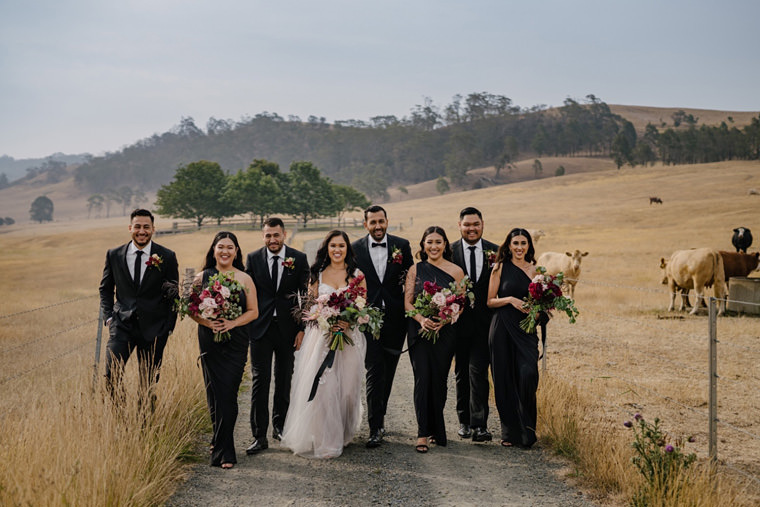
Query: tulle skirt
column 320, row 428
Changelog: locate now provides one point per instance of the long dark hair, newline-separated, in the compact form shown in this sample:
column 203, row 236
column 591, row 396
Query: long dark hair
column 504, row 252
column 323, row 259
column 447, row 253
column 237, row 262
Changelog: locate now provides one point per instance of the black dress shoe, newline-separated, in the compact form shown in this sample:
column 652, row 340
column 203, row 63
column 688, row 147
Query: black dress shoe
column 258, row 445
column 464, row 431
column 481, row 435
column 375, row 439
column 277, row 433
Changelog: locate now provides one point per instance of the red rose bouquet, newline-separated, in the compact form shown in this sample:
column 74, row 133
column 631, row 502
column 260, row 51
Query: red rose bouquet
column 545, row 294
column 442, row 304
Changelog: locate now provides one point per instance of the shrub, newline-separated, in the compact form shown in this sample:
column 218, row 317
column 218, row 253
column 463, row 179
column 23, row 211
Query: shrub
column 660, row 463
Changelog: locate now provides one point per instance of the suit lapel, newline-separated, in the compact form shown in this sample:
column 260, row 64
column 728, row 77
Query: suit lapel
column 366, row 258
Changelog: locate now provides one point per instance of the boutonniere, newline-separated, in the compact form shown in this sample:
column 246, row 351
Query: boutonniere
column 491, row 256
column 396, row 256
column 289, row 263
column 154, row 261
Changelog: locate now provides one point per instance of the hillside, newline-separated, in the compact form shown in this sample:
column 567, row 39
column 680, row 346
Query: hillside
column 641, row 115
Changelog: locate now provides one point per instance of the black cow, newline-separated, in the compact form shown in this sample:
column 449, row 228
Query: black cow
column 742, row 239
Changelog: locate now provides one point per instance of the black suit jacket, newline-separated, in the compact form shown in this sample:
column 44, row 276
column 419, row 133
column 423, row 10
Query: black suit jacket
column 145, row 306
column 388, row 293
column 480, row 315
column 292, row 282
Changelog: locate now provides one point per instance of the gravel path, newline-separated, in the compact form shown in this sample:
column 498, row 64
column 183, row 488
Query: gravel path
column 463, row 473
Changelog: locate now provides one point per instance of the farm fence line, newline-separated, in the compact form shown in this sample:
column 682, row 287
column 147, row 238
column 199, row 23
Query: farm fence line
column 708, row 338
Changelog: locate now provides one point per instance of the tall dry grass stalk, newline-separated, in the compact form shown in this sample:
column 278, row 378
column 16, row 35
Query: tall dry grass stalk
column 72, row 445
column 570, row 424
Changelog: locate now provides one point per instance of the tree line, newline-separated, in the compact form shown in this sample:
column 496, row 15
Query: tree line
column 479, row 130
column 203, row 190
column 690, row 145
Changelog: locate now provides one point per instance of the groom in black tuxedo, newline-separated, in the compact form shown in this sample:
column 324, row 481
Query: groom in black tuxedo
column 280, row 274
column 474, row 255
column 384, row 260
column 142, row 317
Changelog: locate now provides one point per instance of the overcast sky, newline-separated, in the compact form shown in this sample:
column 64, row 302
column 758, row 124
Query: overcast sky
column 96, row 75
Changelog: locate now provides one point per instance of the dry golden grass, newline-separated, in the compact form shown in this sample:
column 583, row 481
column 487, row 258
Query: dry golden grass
column 620, row 355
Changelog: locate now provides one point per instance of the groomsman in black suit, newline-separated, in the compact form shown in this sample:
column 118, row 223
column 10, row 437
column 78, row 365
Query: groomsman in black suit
column 280, row 274
column 384, row 260
column 141, row 317
column 474, row 255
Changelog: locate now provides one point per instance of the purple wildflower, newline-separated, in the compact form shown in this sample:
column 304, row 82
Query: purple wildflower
column 637, row 416
column 669, row 448
column 628, row 424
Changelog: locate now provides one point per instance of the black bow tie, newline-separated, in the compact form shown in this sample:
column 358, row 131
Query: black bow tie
column 379, row 244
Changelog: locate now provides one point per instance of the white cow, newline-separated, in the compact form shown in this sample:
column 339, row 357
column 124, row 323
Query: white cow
column 568, row 263
column 694, row 269
column 536, row 234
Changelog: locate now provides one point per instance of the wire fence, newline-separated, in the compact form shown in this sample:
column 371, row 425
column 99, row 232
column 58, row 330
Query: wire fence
column 703, row 338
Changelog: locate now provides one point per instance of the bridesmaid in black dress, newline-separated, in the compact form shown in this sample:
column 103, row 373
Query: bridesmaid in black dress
column 223, row 362
column 514, row 353
column 431, row 362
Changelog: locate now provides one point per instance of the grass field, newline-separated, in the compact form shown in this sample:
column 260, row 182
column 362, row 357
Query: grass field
column 626, row 354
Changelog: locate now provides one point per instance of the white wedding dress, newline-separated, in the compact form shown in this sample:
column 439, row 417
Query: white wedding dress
column 320, row 428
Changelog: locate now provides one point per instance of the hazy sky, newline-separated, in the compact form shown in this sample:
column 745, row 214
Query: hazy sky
column 96, row 75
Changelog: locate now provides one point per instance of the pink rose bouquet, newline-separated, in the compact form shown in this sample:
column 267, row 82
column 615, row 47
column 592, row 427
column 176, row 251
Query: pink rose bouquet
column 442, row 304
column 219, row 299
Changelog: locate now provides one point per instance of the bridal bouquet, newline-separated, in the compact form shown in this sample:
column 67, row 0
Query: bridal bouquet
column 545, row 294
column 348, row 304
column 442, row 304
column 219, row 299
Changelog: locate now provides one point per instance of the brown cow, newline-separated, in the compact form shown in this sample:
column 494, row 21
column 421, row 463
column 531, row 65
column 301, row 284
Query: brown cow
column 694, row 269
column 739, row 264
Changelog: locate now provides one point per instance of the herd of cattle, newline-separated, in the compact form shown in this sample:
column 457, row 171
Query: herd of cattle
column 701, row 268
column 697, row 269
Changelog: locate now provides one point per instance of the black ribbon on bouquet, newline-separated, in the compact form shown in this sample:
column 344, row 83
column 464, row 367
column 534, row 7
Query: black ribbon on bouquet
column 543, row 319
column 327, row 363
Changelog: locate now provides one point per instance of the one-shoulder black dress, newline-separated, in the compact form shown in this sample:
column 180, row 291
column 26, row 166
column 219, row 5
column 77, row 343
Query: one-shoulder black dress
column 514, row 362
column 223, row 364
column 431, row 363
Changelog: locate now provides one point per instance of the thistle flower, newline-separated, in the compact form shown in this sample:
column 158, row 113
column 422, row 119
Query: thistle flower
column 628, row 424
column 669, row 448
column 637, row 416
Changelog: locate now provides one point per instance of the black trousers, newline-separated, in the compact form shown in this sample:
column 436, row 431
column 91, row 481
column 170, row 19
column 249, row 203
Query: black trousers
column 121, row 342
column 223, row 366
column 273, row 343
column 381, row 361
column 472, row 359
column 431, row 363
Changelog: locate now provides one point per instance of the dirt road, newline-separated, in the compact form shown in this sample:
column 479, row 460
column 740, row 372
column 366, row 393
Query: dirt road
column 463, row 473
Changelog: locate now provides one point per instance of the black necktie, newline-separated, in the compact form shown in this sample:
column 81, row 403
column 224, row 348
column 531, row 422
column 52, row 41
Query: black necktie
column 473, row 265
column 379, row 244
column 275, row 270
column 138, row 266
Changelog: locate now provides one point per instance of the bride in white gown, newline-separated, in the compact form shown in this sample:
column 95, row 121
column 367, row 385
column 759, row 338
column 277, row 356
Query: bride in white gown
column 322, row 427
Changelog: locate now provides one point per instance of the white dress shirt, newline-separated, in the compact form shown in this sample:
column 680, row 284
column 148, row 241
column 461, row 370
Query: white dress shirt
column 379, row 255
column 132, row 253
column 478, row 257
